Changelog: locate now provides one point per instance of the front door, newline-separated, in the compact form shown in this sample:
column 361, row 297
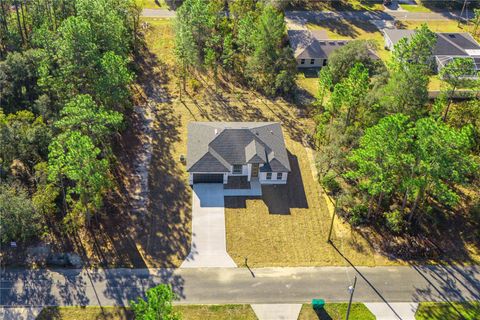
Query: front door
column 254, row 170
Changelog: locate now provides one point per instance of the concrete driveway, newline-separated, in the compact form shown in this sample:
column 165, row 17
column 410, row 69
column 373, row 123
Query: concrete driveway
column 209, row 247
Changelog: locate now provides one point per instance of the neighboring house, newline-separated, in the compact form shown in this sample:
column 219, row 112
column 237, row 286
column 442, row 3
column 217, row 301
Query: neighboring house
column 312, row 49
column 449, row 46
column 252, row 150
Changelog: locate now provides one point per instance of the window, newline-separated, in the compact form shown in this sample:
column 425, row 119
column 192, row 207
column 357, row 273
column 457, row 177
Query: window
column 302, row 61
column 279, row 175
column 269, row 176
column 324, row 62
column 312, row 61
column 237, row 169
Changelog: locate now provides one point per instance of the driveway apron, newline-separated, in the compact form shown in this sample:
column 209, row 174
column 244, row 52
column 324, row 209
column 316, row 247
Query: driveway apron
column 209, row 248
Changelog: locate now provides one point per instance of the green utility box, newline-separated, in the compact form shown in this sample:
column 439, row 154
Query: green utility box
column 318, row 304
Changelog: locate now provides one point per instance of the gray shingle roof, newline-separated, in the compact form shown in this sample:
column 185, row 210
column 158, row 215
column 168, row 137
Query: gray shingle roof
column 313, row 44
column 448, row 43
column 215, row 146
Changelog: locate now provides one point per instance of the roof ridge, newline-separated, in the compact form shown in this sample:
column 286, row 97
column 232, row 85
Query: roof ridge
column 217, row 156
column 451, row 42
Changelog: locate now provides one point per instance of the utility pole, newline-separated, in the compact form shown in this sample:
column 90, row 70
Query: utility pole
column 461, row 13
column 329, row 240
column 351, row 289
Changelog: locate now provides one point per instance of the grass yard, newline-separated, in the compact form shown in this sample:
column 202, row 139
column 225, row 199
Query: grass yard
column 336, row 311
column 152, row 4
column 289, row 225
column 309, row 83
column 352, row 30
column 217, row 312
column 342, row 5
column 187, row 312
column 291, row 239
column 415, row 8
column 85, row 313
column 436, row 25
column 450, row 311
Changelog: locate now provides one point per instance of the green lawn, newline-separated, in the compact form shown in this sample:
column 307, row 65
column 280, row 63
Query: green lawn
column 437, row 26
column 217, row 312
column 336, row 311
column 450, row 311
column 152, row 4
column 190, row 312
column 415, row 8
column 309, row 83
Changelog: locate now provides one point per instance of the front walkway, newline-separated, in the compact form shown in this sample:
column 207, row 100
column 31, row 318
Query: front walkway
column 277, row 311
column 393, row 311
column 209, row 248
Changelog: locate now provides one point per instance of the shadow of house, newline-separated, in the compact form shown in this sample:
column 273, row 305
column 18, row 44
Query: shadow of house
column 279, row 199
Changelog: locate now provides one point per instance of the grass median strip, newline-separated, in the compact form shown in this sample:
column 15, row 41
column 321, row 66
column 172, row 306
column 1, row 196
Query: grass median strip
column 187, row 312
column 451, row 311
column 336, row 311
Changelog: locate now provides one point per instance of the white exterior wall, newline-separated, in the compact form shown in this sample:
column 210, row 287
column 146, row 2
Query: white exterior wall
column 263, row 178
column 244, row 171
column 249, row 171
column 388, row 42
column 318, row 63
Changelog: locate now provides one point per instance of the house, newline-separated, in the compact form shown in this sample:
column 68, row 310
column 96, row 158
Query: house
column 312, row 48
column 219, row 151
column 449, row 46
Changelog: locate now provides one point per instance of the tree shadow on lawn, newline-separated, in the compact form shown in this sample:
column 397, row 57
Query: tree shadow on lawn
column 155, row 232
column 345, row 28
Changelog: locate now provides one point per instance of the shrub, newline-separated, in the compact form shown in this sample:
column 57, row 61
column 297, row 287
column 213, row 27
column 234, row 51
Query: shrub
column 358, row 214
column 395, row 221
column 18, row 219
column 194, row 84
column 330, row 182
column 158, row 304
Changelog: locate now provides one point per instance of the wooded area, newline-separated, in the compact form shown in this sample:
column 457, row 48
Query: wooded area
column 393, row 159
column 64, row 87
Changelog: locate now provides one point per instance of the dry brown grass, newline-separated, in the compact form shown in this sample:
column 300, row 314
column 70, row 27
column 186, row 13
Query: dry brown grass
column 266, row 239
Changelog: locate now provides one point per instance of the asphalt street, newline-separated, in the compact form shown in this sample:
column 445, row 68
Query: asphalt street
column 352, row 15
column 241, row 285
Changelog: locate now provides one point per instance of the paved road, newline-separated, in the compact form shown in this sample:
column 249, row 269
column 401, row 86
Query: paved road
column 352, row 15
column 241, row 285
column 372, row 15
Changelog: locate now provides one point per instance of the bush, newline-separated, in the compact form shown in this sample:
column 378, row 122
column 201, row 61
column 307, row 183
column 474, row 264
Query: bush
column 358, row 215
column 18, row 219
column 395, row 221
column 158, row 304
column 330, row 182
column 194, row 84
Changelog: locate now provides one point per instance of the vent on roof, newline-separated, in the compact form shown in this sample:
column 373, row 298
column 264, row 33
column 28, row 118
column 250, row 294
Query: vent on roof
column 216, row 131
column 451, row 36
